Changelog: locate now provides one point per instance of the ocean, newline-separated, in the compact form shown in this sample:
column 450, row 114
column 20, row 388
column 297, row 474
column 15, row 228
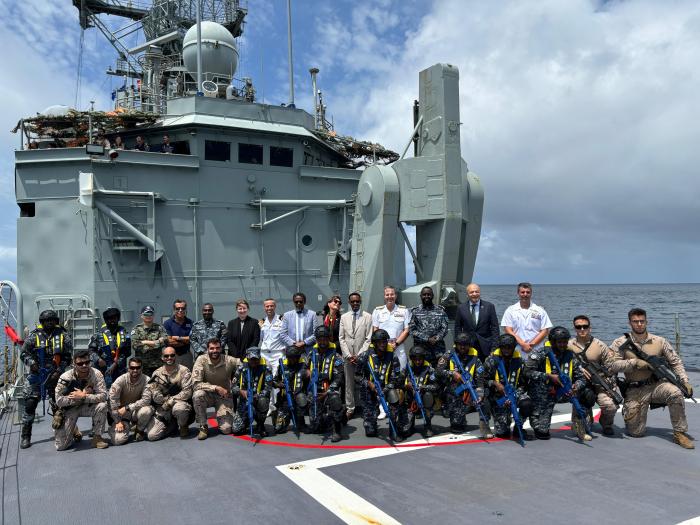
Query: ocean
column 607, row 306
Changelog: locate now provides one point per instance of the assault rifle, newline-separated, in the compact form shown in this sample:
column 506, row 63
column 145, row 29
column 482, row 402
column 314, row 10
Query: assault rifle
column 467, row 384
column 658, row 366
column 568, row 388
column 416, row 391
column 598, row 377
column 510, row 396
column 289, row 395
column 313, row 385
column 43, row 378
column 249, row 398
column 380, row 396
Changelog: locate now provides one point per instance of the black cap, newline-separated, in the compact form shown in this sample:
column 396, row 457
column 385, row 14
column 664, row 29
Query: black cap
column 322, row 331
column 147, row 310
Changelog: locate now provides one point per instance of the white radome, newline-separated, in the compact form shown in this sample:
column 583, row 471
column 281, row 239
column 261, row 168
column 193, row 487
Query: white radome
column 219, row 51
column 57, row 110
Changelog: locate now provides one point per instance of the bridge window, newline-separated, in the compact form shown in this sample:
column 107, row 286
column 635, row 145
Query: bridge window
column 281, row 156
column 250, row 153
column 215, row 150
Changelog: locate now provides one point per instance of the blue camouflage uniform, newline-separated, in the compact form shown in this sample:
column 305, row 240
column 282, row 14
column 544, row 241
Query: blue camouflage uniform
column 516, row 378
column 426, row 323
column 110, row 346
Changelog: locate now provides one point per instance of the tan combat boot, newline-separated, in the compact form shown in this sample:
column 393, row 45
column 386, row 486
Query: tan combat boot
column 98, row 442
column 580, row 430
column 683, row 440
column 203, row 432
column 77, row 435
column 485, row 430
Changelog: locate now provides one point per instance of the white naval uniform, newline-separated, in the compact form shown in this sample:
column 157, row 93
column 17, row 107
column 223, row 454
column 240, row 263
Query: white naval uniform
column 394, row 322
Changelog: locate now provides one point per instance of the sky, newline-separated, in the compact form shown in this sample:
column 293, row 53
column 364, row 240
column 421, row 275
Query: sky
column 581, row 118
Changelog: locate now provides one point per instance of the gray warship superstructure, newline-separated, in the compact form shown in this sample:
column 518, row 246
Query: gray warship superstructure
column 255, row 200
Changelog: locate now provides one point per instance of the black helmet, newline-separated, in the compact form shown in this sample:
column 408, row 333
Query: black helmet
column 322, row 331
column 253, row 352
column 293, row 351
column 506, row 340
column 557, row 333
column 464, row 338
column 46, row 315
column 380, row 335
column 111, row 312
column 417, row 351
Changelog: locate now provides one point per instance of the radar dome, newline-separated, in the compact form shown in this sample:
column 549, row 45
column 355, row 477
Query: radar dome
column 219, row 52
column 57, row 110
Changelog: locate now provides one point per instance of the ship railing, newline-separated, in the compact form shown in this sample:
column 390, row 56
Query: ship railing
column 11, row 335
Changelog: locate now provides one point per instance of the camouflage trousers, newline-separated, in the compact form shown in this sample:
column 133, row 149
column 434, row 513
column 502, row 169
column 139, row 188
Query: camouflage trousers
column 370, row 411
column 542, row 410
column 64, row 436
column 411, row 418
column 608, row 409
column 241, row 422
column 284, row 417
column 328, row 410
column 141, row 418
column 222, row 405
column 502, row 417
column 164, row 421
column 32, row 396
column 458, row 409
column 637, row 401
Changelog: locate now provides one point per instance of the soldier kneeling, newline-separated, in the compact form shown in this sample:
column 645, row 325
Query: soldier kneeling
column 252, row 384
column 426, row 381
column 130, row 404
column 296, row 376
column 81, row 392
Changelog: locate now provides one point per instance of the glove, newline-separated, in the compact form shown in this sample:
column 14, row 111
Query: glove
column 168, row 405
column 689, row 388
column 641, row 365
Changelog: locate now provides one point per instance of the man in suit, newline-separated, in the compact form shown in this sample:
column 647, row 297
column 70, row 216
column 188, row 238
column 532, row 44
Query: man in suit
column 243, row 331
column 479, row 318
column 354, row 339
column 299, row 324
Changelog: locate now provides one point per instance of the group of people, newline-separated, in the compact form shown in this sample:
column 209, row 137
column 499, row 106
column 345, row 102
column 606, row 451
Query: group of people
column 301, row 369
column 139, row 145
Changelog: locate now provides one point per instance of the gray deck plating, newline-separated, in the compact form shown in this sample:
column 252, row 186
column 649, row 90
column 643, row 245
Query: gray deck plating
column 225, row 479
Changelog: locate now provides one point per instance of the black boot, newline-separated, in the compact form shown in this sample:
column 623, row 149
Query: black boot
column 260, row 430
column 336, row 432
column 429, row 430
column 26, row 441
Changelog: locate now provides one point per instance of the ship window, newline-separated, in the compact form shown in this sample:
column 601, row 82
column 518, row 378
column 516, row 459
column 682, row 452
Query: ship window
column 306, row 240
column 250, row 153
column 215, row 150
column 27, row 209
column 181, row 147
column 281, row 156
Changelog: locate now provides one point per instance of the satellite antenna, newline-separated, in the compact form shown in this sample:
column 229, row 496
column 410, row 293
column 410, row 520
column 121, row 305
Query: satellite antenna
column 210, row 89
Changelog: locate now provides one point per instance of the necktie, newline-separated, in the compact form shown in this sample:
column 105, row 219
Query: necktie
column 474, row 314
column 354, row 320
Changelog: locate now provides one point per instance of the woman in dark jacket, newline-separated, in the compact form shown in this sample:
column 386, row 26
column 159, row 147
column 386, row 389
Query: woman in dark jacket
column 330, row 318
column 243, row 331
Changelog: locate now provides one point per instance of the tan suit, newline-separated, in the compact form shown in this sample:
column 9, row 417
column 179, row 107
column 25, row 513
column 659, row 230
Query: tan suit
column 354, row 340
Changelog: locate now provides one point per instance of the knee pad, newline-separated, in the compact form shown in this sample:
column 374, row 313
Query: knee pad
column 428, row 400
column 334, row 402
column 587, row 397
column 392, row 396
column 301, row 399
column 262, row 405
column 525, row 407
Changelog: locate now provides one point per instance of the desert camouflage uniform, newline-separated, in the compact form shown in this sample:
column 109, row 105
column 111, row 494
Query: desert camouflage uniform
column 598, row 352
column 331, row 375
column 204, row 330
column 261, row 376
column 107, row 346
column 427, row 381
column 426, row 323
column 94, row 405
column 149, row 355
column 133, row 396
column 643, row 387
column 541, row 391
column 298, row 380
column 459, row 405
column 388, row 371
column 57, row 349
column 206, row 376
column 169, row 394
column 515, row 369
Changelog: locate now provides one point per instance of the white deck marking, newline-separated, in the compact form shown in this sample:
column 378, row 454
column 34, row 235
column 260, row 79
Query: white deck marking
column 345, row 504
column 691, row 521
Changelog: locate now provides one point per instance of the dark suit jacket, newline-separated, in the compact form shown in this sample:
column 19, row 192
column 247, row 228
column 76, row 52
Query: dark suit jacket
column 240, row 338
column 486, row 329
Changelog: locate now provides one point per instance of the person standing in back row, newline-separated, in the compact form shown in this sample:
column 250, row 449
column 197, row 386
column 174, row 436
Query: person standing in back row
column 478, row 317
column 243, row 331
column 354, row 338
column 395, row 319
column 179, row 327
column 300, row 324
column 526, row 321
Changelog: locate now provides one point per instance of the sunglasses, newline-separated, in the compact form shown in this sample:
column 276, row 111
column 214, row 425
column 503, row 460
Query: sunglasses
column 81, row 363
column 299, row 301
column 582, row 326
column 169, row 356
column 181, row 309
column 134, row 368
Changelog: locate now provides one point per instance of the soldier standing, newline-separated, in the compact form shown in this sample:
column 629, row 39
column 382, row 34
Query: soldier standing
column 211, row 381
column 298, row 378
column 81, row 392
column 259, row 388
column 643, row 387
column 426, row 381
column 170, row 391
column 513, row 365
column 111, row 346
column 207, row 328
column 544, row 382
column 594, row 351
column 459, row 404
column 329, row 374
column 46, row 353
column 129, row 404
column 147, row 339
column 387, row 369
column 429, row 325
column 394, row 319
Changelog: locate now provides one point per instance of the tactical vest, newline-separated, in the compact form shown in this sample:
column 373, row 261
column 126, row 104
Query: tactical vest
column 52, row 345
column 421, row 377
column 565, row 362
column 516, row 363
column 653, row 346
column 594, row 352
column 294, row 375
column 112, row 342
column 325, row 372
column 260, row 380
column 384, row 369
column 472, row 354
